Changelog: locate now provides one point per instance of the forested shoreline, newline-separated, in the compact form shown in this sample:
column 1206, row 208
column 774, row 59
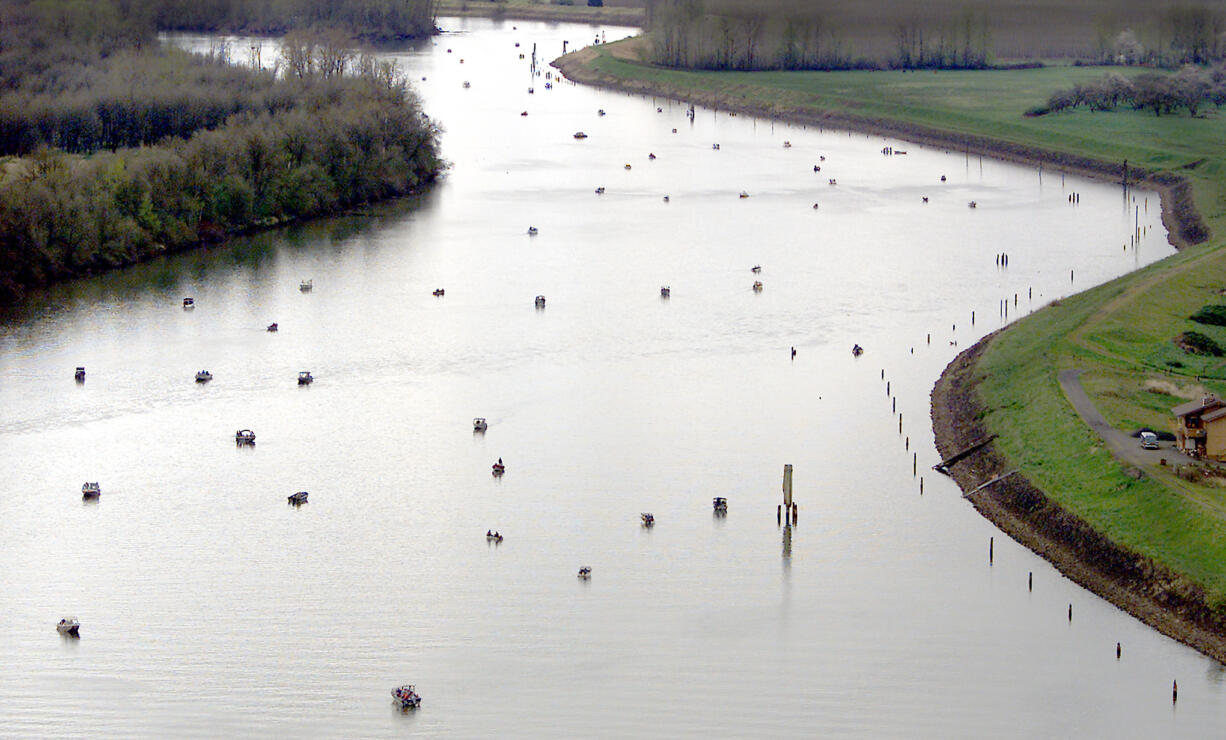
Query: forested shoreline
column 115, row 148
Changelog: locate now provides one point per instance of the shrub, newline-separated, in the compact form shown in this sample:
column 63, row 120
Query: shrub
column 1193, row 342
column 1214, row 315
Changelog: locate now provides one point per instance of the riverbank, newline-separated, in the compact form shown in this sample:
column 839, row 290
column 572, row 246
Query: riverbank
column 526, row 11
column 1144, row 540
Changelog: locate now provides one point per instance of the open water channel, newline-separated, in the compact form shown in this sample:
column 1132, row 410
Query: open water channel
column 210, row 607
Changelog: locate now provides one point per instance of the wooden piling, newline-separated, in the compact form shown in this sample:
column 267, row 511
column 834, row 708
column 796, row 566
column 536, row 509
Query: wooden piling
column 991, row 548
column 1174, row 691
column 893, row 404
column 1117, row 651
column 908, row 442
column 921, row 485
column 1030, row 581
column 972, row 318
column 914, row 463
column 787, row 486
column 1070, row 612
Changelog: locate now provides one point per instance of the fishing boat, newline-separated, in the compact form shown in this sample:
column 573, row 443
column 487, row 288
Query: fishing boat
column 756, row 269
column 406, row 696
column 189, row 303
column 651, row 156
column 580, row 135
column 498, row 468
column 439, row 292
column 585, row 573
column 91, row 490
column 744, row 194
column 204, row 376
column 665, row 291
column 272, row 326
column 533, row 231
column 787, row 145
column 720, row 504
column 494, row 537
column 972, row 204
column 305, row 378
column 69, row 626
column 244, row 437
column 80, row 375
column 297, row 499
column 648, row 519
column 834, row 181
column 627, row 166
column 479, row 424
column 306, row 285
column 715, row 147
column 666, row 199
column 600, row 190
column 540, row 301
column 757, row 286
column 600, row 112
column 467, row 84
column 857, row 350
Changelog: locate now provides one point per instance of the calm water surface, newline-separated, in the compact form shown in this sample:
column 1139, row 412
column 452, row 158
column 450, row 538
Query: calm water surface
column 210, row 607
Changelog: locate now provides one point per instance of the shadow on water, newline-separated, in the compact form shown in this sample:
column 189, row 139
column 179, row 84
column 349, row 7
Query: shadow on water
column 254, row 256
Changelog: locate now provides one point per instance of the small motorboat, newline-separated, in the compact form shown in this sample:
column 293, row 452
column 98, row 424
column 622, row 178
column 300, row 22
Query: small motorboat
column 498, row 468
column 189, row 302
column 540, row 301
column 756, row 269
column 815, row 206
column 467, row 84
column 757, row 286
column 857, row 350
column 666, row 199
column 659, row 110
column 580, row 135
column 531, row 91
column 548, row 85
column 715, row 147
column 600, row 112
column 743, row 194
column 244, row 437
column 204, row 376
column 628, row 166
column 305, row 378
column 272, row 326
column 80, row 375
column 524, row 113
column 651, row 156
column 648, row 519
column 91, row 490
column 439, row 292
column 925, row 198
column 306, row 285
column 665, row 291
column 406, row 697
column 493, row 537
column 297, row 499
column 972, row 204
column 600, row 190
column 942, row 178
column 674, row 131
column 585, row 573
column 787, row 145
column 69, row 626
column 479, row 424
column 833, row 181
column 720, row 505
column 533, row 231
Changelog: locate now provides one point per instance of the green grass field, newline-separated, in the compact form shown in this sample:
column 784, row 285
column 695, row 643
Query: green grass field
column 1119, row 333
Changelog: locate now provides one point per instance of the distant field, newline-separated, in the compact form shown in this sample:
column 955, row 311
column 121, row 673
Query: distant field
column 1120, row 333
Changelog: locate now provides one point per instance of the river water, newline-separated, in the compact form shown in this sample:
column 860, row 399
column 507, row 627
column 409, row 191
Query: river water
column 210, row 607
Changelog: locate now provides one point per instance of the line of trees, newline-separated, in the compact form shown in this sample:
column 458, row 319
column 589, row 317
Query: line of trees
column 1190, row 89
column 367, row 19
column 119, row 149
column 948, row 34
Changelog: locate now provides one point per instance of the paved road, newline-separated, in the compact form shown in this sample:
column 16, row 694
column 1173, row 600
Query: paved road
column 1125, row 448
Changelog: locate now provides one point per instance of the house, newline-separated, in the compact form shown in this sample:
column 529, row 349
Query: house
column 1201, row 427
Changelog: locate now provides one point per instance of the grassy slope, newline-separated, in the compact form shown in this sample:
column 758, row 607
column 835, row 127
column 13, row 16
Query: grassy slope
column 1120, row 333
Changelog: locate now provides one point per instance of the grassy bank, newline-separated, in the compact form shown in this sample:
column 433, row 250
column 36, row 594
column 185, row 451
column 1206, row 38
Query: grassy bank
column 614, row 12
column 1119, row 333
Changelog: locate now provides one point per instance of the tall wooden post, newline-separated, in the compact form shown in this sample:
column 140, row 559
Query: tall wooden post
column 787, row 490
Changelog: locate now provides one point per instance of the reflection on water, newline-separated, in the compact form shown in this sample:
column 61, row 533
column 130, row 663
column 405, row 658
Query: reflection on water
column 209, row 606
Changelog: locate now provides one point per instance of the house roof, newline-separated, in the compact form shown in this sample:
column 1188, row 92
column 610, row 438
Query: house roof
column 1214, row 415
column 1191, row 407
